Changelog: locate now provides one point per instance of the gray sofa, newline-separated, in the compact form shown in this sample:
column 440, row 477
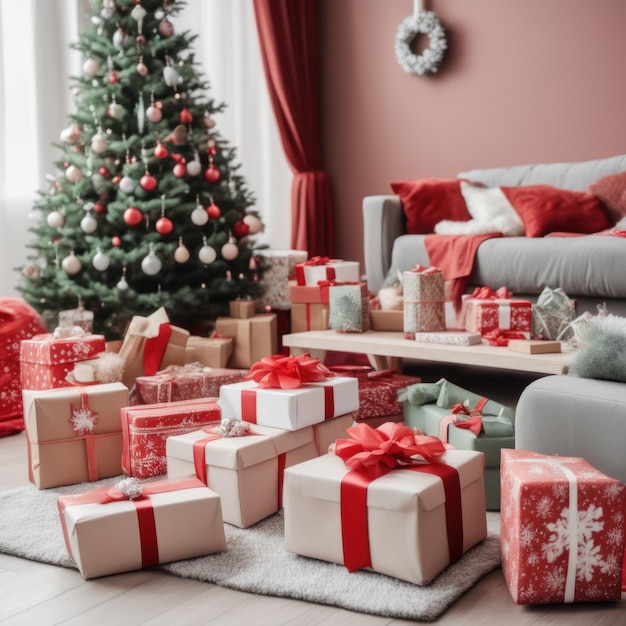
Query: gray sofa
column 590, row 269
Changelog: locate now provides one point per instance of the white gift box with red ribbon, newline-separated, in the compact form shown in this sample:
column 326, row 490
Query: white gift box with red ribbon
column 323, row 268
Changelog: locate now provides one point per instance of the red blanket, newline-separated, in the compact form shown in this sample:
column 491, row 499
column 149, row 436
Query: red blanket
column 454, row 256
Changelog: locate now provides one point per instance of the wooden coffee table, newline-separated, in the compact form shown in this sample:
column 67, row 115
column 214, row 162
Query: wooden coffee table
column 386, row 348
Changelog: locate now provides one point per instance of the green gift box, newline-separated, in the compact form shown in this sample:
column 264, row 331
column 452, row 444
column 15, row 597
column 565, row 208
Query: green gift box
column 427, row 404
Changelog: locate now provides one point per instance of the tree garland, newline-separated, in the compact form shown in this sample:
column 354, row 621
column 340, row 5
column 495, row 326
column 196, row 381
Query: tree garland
column 425, row 23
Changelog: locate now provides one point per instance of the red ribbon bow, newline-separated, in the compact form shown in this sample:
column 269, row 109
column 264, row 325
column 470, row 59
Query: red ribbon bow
column 426, row 270
column 377, row 450
column 287, row 372
column 318, row 260
column 501, row 337
column 487, row 293
column 475, row 421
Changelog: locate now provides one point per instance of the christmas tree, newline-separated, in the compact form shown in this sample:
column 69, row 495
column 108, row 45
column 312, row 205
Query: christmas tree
column 147, row 208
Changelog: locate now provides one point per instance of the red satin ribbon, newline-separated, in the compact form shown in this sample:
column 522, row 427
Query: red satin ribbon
column 426, row 270
column 487, row 293
column 154, row 349
column 316, row 260
column 501, row 337
column 329, row 402
column 287, row 372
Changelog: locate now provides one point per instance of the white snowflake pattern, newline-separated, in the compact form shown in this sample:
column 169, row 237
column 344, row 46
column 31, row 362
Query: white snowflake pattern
column 560, row 490
column 83, row 420
column 614, row 490
column 544, row 506
column 527, row 536
column 82, row 350
column 555, row 579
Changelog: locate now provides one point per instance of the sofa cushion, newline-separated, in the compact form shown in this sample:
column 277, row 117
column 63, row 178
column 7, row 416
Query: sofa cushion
column 546, row 209
column 428, row 201
column 611, row 190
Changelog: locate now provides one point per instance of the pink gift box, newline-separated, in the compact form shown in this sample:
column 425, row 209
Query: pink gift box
column 290, row 409
column 146, row 428
column 320, row 268
column 45, row 361
column 106, row 533
column 246, row 471
column 485, row 316
column 562, row 529
column 74, row 433
column 184, row 382
column 406, row 515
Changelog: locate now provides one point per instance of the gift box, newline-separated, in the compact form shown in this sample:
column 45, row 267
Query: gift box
column 129, row 527
column 289, row 409
column 253, row 338
column 184, row 382
column 530, row 346
column 245, row 470
column 74, row 433
column 322, row 268
column 451, row 338
column 486, row 313
column 309, row 316
column 327, row 432
column 242, row 308
column 386, row 320
column 424, row 300
column 349, row 308
column 405, row 523
column 45, row 360
column 146, row 428
column 279, row 269
column 466, row 421
column 210, row 351
column 77, row 317
column 150, row 344
column 562, row 530
column 552, row 315
column 378, row 394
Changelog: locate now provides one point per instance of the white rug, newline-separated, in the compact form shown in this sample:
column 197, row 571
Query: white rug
column 256, row 561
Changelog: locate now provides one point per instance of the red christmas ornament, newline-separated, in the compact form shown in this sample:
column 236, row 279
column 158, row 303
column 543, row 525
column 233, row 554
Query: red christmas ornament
column 116, row 241
column 240, row 229
column 99, row 208
column 148, row 182
column 212, row 150
column 185, row 117
column 164, row 226
column 103, row 171
column 114, row 77
column 160, row 152
column 133, row 216
column 177, row 158
column 213, row 210
column 116, row 180
column 212, row 174
column 180, row 169
column 141, row 39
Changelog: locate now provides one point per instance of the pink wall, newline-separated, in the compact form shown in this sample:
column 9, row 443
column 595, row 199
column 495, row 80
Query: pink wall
column 523, row 81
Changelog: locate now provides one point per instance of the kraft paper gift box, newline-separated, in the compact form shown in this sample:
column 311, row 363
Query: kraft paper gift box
column 289, row 409
column 151, row 343
column 74, row 433
column 106, row 532
column 327, row 432
column 253, row 338
column 562, row 530
column 278, row 275
column 246, row 470
column 210, row 351
column 145, row 430
column 45, row 360
column 485, row 313
column 404, row 516
column 349, row 308
column 387, row 320
column 184, row 382
column 242, row 308
column 309, row 316
column 322, row 268
column 429, row 407
column 424, row 301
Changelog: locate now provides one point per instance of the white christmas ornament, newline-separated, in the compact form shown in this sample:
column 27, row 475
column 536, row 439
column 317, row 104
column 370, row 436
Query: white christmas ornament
column 116, row 111
column 70, row 134
column 71, row 264
column 73, row 174
column 207, row 254
column 101, row 261
column 127, row 185
column 194, row 167
column 122, row 284
column 154, row 114
column 119, row 39
column 99, row 143
column 171, row 76
column 230, row 251
column 142, row 68
column 56, row 219
column 91, row 67
column 151, row 264
column 88, row 224
column 199, row 216
column 254, row 224
column 181, row 254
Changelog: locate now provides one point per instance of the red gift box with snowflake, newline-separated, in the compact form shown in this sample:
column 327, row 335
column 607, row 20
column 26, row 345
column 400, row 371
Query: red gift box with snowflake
column 74, row 434
column 487, row 311
column 145, row 430
column 562, row 529
column 47, row 359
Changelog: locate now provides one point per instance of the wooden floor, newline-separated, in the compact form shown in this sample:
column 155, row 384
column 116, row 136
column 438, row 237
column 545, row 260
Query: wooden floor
column 41, row 595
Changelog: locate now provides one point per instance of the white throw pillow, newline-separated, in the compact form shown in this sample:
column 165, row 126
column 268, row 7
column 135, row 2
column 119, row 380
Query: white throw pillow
column 491, row 212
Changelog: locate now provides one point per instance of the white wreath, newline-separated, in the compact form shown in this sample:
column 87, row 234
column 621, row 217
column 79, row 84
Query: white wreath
column 425, row 23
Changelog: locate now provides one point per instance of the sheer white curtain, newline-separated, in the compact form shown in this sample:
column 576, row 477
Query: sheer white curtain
column 35, row 99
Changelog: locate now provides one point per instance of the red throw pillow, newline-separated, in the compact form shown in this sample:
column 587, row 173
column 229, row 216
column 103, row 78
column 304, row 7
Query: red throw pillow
column 612, row 191
column 428, row 201
column 545, row 209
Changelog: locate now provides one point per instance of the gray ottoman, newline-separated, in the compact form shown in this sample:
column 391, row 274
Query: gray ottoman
column 572, row 416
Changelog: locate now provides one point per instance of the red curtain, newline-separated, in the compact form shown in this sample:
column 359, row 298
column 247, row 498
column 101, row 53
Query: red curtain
column 288, row 37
